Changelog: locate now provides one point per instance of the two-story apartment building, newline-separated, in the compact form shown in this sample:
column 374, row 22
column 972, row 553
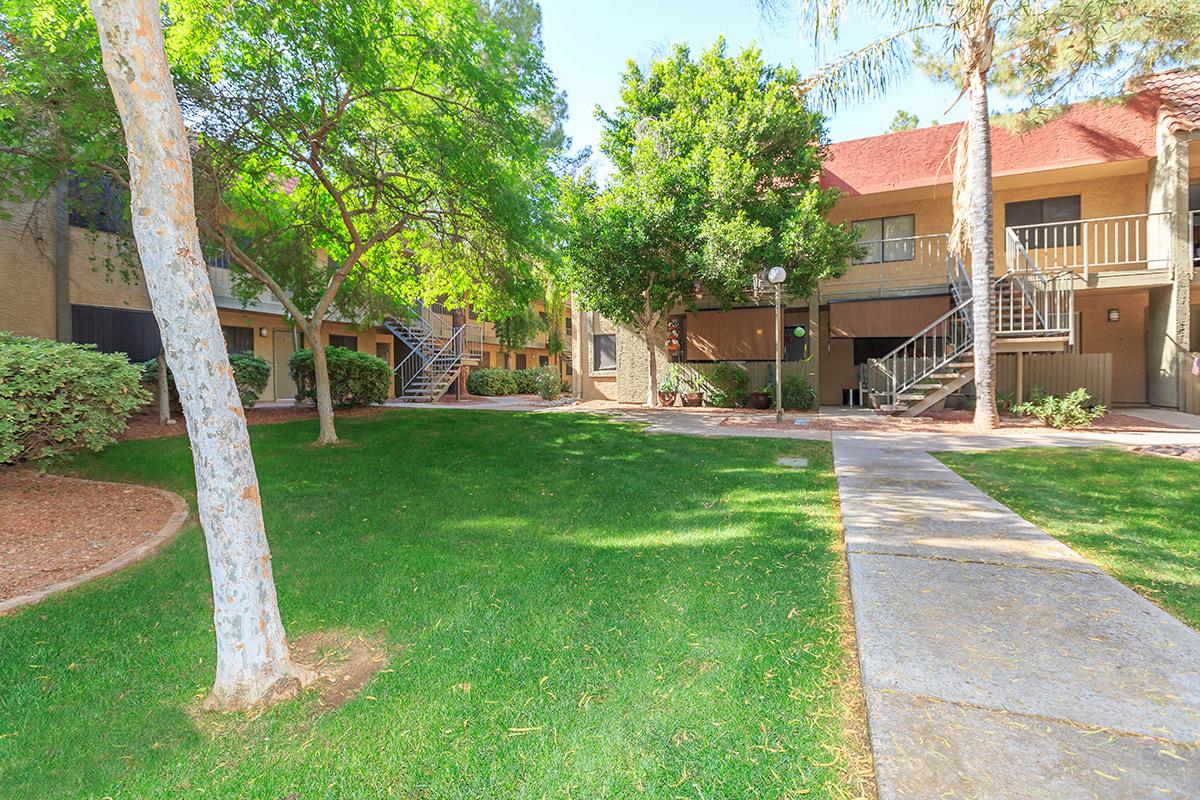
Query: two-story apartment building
column 1097, row 224
column 69, row 275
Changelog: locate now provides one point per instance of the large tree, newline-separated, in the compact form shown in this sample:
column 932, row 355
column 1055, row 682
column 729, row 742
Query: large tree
column 253, row 663
column 341, row 166
column 717, row 162
column 1038, row 52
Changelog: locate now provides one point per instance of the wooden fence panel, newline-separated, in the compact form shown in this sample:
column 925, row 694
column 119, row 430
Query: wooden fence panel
column 1057, row 373
column 1190, row 402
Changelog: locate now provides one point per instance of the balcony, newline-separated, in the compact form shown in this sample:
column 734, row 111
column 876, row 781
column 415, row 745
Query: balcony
column 1101, row 250
column 908, row 265
column 222, row 289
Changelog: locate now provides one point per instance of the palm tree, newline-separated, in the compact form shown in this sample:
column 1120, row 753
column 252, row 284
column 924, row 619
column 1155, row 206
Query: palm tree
column 967, row 31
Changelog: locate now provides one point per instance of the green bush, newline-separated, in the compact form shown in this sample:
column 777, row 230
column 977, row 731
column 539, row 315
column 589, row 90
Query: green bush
column 527, row 379
column 1071, row 411
column 798, row 395
column 491, row 382
column 730, row 385
column 55, row 397
column 355, row 379
column 250, row 373
column 549, row 387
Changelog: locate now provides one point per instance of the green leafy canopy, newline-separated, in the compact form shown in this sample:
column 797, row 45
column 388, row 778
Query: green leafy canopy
column 717, row 165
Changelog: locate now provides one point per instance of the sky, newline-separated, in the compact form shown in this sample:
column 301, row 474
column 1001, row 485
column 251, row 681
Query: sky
column 588, row 42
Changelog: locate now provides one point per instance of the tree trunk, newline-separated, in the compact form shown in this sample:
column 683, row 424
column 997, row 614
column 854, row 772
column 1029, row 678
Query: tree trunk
column 458, row 319
column 652, row 364
column 253, row 662
column 164, row 391
column 979, row 182
column 324, row 398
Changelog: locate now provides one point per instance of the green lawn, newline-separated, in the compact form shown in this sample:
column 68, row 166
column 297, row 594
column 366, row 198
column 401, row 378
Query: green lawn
column 1135, row 516
column 663, row 613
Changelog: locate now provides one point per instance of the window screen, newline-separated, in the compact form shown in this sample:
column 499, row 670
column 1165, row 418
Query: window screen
column 238, row 340
column 875, row 234
column 348, row 342
column 604, row 346
column 543, row 361
column 1038, row 213
column 117, row 330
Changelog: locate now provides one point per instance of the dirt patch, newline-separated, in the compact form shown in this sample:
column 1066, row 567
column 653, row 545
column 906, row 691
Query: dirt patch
column 343, row 662
column 145, row 425
column 54, row 529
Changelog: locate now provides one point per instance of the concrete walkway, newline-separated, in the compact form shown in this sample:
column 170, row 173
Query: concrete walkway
column 997, row 662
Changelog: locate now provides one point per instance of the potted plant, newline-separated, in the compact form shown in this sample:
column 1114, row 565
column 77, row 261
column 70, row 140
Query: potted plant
column 693, row 398
column 761, row 399
column 668, row 387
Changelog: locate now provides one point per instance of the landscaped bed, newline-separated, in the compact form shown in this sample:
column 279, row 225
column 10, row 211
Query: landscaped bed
column 1136, row 516
column 571, row 608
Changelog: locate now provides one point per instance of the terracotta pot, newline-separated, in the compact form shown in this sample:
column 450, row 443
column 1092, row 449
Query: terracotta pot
column 666, row 398
column 760, row 400
column 692, row 399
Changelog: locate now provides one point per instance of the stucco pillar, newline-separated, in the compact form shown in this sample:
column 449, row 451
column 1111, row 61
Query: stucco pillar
column 1169, row 318
column 62, row 264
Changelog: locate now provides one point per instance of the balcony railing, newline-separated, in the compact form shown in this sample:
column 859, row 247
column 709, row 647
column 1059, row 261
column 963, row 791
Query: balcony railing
column 893, row 266
column 1129, row 242
column 222, row 289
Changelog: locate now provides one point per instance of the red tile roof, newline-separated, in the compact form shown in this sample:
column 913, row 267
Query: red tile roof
column 1084, row 133
column 1180, row 93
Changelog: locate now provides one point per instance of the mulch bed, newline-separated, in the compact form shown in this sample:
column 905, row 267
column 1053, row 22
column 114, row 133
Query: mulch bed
column 950, row 422
column 54, row 528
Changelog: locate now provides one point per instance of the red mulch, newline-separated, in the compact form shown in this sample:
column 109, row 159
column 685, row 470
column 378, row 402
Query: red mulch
column 953, row 422
column 54, row 528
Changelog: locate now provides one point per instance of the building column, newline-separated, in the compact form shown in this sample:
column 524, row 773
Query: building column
column 62, row 264
column 1169, row 317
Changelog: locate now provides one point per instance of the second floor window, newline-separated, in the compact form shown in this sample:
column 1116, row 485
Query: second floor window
column 886, row 239
column 1038, row 213
column 98, row 203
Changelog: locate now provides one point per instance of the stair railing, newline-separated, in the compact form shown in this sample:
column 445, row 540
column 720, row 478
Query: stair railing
column 930, row 350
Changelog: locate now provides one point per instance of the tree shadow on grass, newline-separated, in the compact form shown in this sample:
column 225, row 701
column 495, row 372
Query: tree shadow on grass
column 578, row 608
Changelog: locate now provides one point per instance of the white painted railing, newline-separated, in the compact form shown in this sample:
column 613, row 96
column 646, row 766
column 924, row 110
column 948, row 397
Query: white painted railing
column 893, row 265
column 222, row 289
column 1132, row 241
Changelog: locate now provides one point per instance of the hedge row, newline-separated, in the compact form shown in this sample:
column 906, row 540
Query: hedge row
column 250, row 373
column 495, row 381
column 355, row 379
column 55, row 397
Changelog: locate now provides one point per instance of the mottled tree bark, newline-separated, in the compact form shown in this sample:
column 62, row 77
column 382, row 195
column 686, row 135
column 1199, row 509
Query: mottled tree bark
column 253, row 663
column 328, row 433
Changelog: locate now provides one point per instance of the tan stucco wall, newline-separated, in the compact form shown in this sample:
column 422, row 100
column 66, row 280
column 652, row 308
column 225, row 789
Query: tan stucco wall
column 1125, row 339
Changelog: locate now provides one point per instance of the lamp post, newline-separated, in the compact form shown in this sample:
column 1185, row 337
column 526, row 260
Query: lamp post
column 777, row 276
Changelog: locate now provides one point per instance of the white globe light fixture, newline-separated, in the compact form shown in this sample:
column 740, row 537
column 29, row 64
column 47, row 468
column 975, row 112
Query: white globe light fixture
column 777, row 275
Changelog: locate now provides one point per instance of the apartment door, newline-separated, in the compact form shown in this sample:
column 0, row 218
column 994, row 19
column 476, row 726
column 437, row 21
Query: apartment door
column 285, row 387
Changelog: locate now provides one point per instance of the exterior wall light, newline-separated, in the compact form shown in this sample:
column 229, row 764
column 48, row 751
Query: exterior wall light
column 262, row 332
column 1114, row 315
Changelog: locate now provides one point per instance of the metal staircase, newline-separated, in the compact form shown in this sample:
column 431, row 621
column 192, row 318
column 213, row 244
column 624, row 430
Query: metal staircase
column 437, row 353
column 1032, row 312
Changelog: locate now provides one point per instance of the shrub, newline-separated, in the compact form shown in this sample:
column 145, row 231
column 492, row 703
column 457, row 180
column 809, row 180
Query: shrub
column 549, row 387
column 355, row 379
column 798, row 395
column 251, row 374
column 729, row 385
column 55, row 397
column 1071, row 411
column 491, row 382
